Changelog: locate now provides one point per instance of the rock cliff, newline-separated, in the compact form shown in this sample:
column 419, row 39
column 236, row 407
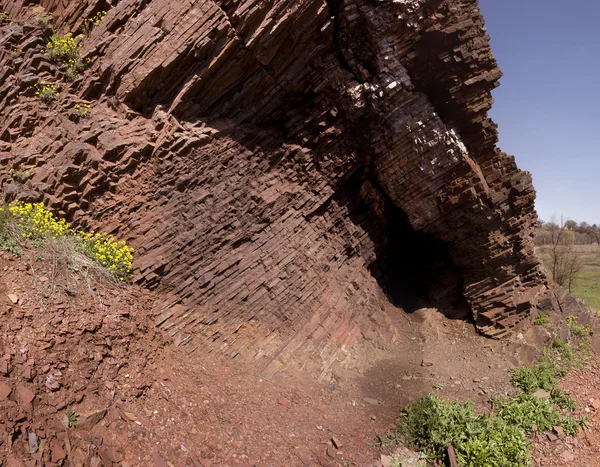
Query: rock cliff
column 284, row 169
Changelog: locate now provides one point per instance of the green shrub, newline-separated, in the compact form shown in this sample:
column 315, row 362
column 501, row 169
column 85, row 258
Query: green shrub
column 526, row 411
column 67, row 50
column 562, row 400
column 501, row 445
column 540, row 376
column 479, row 440
column 540, row 319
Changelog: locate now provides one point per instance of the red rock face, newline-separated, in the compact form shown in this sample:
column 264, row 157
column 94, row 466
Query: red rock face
column 256, row 154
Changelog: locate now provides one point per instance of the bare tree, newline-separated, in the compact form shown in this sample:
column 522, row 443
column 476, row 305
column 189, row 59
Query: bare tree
column 565, row 261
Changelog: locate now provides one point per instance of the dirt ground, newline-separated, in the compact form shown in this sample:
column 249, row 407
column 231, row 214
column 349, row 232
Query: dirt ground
column 91, row 348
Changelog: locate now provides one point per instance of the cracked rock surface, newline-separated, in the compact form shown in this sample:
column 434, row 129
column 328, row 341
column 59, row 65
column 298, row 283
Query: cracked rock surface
column 256, row 154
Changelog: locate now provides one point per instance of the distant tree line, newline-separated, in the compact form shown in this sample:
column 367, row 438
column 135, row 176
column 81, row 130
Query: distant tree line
column 573, row 233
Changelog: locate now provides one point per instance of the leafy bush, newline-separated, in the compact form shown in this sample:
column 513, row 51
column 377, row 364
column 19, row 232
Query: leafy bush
column 498, row 439
column 526, row 411
column 501, row 445
column 540, row 376
column 562, row 400
column 479, row 440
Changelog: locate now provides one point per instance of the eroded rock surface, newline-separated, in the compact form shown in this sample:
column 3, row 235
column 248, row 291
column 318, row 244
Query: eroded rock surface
column 256, row 155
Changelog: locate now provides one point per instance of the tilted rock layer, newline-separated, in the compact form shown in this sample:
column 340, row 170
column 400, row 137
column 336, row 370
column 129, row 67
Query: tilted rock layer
column 252, row 152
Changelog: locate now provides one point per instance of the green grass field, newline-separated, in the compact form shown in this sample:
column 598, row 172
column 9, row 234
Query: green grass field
column 587, row 285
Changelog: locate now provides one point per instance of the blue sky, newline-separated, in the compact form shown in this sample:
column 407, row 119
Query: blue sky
column 548, row 104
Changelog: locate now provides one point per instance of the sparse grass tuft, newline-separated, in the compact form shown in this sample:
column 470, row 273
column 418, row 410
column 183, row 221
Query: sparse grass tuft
column 42, row 17
column 21, row 173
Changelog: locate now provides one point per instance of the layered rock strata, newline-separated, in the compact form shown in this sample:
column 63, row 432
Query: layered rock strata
column 253, row 152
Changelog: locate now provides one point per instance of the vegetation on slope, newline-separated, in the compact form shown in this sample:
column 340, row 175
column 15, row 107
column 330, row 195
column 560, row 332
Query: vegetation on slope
column 500, row 438
column 34, row 225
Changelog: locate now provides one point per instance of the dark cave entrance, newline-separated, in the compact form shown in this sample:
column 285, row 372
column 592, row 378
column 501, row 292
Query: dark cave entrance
column 418, row 270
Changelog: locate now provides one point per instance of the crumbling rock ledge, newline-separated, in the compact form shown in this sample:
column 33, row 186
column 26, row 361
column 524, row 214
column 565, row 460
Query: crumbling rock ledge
column 256, row 152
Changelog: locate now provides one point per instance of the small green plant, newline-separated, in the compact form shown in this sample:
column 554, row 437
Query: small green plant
column 22, row 173
column 438, row 386
column 92, row 21
column 42, row 17
column 15, row 53
column 578, row 330
column 540, row 319
column 82, row 110
column 47, row 92
column 4, row 17
column 9, row 245
column 561, row 399
column 70, row 419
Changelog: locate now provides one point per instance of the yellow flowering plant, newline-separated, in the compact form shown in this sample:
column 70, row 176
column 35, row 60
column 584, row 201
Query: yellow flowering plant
column 88, row 23
column 47, row 92
column 82, row 110
column 66, row 50
column 114, row 255
column 36, row 223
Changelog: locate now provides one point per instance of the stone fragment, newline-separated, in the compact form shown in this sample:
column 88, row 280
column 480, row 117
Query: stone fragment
column 13, row 298
column 87, row 421
column 568, row 456
column 5, row 391
column 33, row 442
column 542, row 394
column 371, row 401
column 25, row 397
column 426, row 363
